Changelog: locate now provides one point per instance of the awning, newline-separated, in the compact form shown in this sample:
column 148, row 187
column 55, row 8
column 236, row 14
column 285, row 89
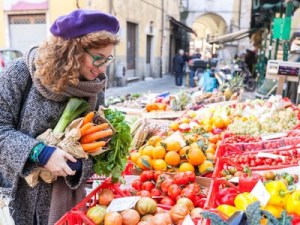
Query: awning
column 182, row 25
column 234, row 36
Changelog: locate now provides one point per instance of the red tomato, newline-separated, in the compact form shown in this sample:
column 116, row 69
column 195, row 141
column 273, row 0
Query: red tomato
column 137, row 184
column 173, row 191
column 191, row 176
column 188, row 193
column 164, row 186
column 199, row 202
column 146, row 175
column 167, row 201
column 156, row 175
column 194, row 187
column 181, row 178
column 148, row 186
column 155, row 192
column 144, row 193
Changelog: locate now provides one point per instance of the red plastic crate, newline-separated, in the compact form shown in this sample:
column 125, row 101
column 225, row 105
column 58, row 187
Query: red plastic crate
column 91, row 199
column 74, row 218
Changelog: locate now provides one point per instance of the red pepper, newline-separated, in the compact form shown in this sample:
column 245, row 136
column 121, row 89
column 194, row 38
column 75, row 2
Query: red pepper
column 295, row 218
column 248, row 180
column 226, row 196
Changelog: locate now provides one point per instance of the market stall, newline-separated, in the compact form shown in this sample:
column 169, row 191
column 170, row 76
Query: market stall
column 221, row 163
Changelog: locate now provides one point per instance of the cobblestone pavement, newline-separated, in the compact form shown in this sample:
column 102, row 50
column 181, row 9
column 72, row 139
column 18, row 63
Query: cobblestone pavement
column 155, row 86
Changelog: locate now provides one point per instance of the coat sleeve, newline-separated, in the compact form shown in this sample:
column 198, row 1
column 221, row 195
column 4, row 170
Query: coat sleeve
column 15, row 146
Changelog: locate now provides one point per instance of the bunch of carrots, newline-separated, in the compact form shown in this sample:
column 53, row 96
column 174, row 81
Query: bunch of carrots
column 93, row 135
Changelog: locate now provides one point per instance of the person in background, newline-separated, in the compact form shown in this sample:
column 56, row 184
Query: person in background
column 178, row 64
column 193, row 55
column 34, row 92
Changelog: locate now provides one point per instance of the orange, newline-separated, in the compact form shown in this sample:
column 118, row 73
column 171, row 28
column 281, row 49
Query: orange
column 219, row 123
column 214, row 138
column 154, row 140
column 174, row 126
column 147, row 150
column 195, row 156
column 206, row 166
column 186, row 167
column 210, row 156
column 134, row 157
column 158, row 152
column 159, row 165
column 173, row 146
column 210, row 150
column 183, row 151
column 144, row 162
column 172, row 158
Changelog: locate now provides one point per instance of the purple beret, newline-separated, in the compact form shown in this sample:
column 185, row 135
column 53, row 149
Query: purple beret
column 81, row 22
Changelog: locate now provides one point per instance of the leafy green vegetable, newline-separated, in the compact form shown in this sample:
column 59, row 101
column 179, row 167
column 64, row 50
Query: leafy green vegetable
column 285, row 219
column 113, row 161
column 253, row 213
column 74, row 108
column 214, row 218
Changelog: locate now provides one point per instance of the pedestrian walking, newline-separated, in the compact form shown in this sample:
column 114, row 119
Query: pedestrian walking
column 34, row 92
column 178, row 64
column 192, row 68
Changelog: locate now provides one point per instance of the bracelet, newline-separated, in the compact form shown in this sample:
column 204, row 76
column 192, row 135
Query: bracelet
column 35, row 152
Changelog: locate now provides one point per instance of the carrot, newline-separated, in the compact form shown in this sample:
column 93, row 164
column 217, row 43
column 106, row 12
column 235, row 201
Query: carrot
column 96, row 128
column 88, row 118
column 95, row 136
column 89, row 147
column 85, row 128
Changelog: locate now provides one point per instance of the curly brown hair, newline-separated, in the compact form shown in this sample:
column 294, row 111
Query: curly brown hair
column 58, row 60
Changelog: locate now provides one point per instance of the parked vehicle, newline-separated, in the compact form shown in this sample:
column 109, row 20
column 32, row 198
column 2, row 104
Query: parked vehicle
column 7, row 55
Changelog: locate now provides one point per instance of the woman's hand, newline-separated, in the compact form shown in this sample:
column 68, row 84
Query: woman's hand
column 57, row 164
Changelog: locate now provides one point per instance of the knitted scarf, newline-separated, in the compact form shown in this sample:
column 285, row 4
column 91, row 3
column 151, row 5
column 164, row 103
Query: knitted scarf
column 85, row 89
column 62, row 197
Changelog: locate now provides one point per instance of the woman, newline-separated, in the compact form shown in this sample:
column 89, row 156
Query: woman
column 35, row 90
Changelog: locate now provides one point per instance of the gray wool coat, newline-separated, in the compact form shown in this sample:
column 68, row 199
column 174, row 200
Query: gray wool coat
column 24, row 114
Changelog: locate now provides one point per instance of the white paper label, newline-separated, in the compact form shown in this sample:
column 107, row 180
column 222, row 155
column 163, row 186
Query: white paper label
column 120, row 204
column 269, row 155
column 176, row 136
column 188, row 221
column 261, row 193
column 234, row 179
column 273, row 136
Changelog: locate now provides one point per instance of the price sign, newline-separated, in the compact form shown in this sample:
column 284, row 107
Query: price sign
column 120, row 204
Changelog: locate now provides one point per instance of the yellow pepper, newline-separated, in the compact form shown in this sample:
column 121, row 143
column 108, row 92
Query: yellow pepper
column 293, row 203
column 275, row 210
column 278, row 192
column 227, row 210
column 242, row 200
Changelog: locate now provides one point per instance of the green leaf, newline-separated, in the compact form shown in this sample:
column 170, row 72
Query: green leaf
column 285, row 219
column 214, row 218
column 271, row 219
column 253, row 213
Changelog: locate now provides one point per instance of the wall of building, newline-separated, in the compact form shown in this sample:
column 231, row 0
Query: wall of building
column 144, row 13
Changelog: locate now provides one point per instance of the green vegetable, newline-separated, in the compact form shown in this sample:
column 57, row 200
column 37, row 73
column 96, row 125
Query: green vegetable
column 113, row 161
column 74, row 108
column 253, row 214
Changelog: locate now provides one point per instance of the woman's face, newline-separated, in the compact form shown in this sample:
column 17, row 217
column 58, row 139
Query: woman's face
column 95, row 61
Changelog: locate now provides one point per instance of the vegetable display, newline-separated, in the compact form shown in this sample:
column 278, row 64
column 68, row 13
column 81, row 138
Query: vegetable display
column 113, row 161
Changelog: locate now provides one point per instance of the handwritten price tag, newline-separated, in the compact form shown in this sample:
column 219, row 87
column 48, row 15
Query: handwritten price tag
column 188, row 221
column 261, row 193
column 120, row 204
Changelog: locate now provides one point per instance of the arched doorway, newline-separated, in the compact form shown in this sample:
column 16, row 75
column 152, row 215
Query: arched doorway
column 207, row 26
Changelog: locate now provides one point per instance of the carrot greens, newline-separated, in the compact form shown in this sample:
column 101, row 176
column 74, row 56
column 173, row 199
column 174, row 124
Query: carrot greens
column 113, row 162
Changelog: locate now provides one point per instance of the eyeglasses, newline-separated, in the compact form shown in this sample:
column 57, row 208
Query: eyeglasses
column 99, row 60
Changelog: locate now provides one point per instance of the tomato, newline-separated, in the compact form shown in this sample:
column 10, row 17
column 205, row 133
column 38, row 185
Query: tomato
column 199, row 202
column 144, row 193
column 167, row 201
column 146, row 175
column 188, row 193
column 137, row 184
column 164, row 186
column 191, row 176
column 181, row 178
column 148, row 186
column 155, row 192
column 173, row 191
column 156, row 175
column 194, row 187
